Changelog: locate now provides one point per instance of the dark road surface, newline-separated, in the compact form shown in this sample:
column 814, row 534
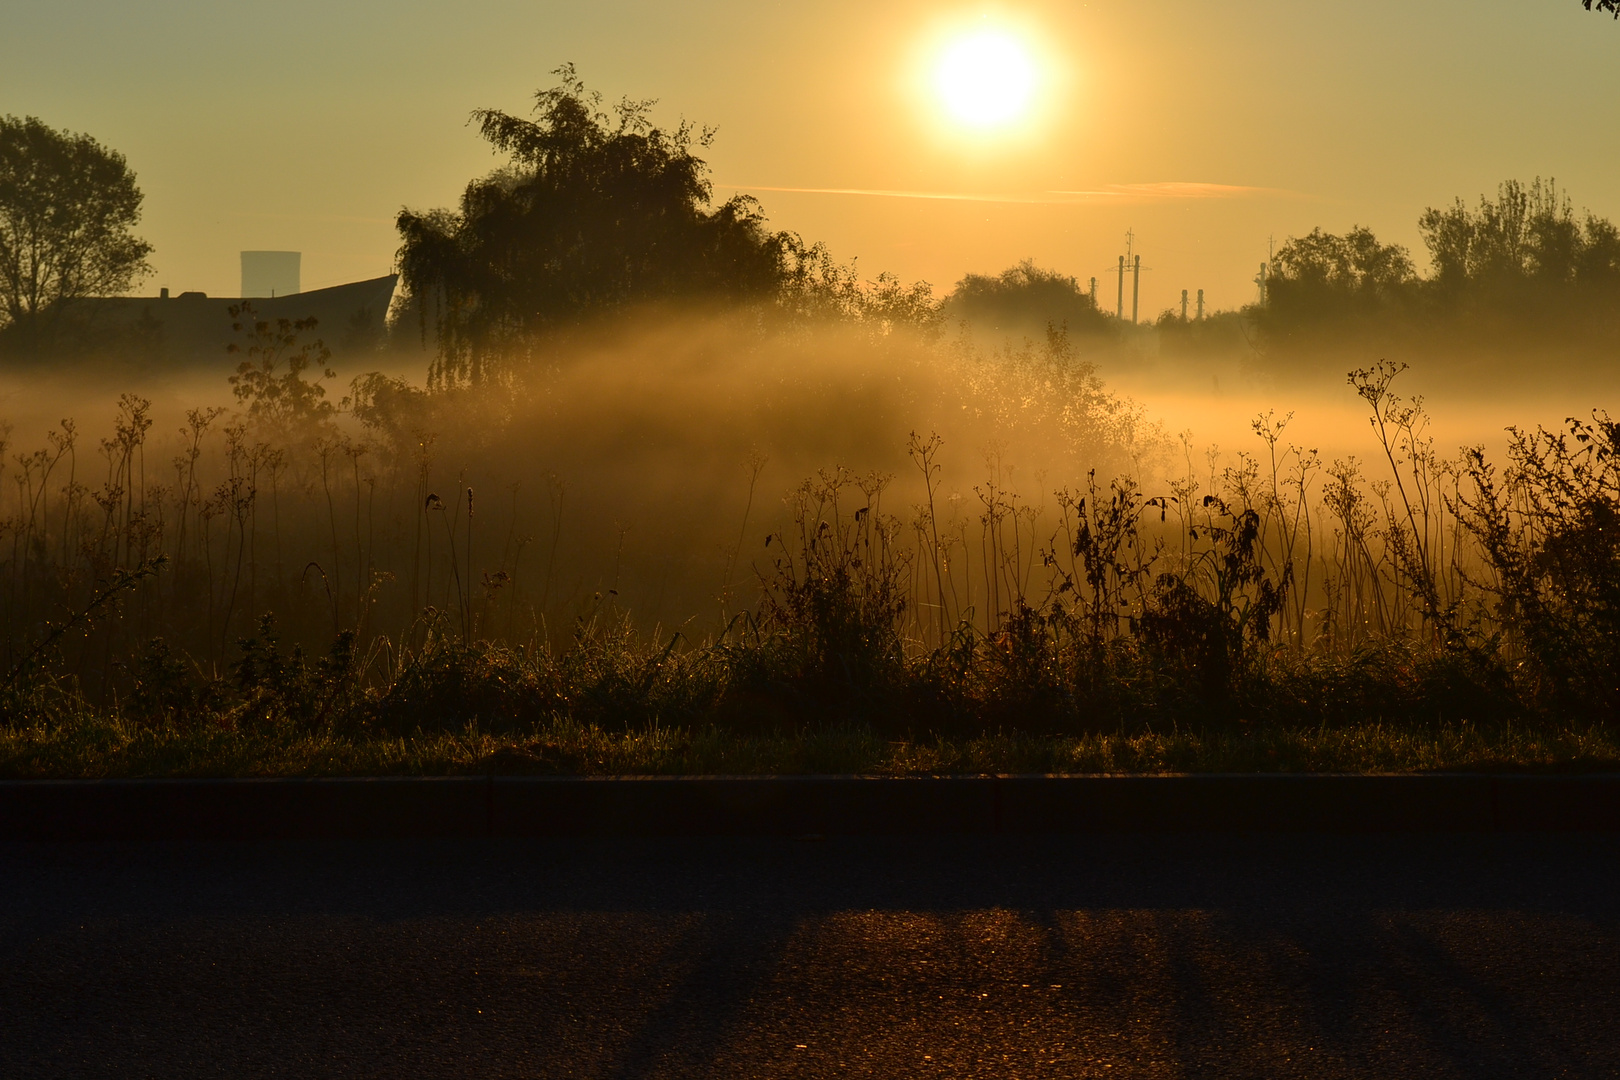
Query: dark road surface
column 998, row 957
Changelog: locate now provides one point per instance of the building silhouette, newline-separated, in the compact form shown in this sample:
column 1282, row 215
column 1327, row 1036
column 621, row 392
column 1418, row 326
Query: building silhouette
column 194, row 327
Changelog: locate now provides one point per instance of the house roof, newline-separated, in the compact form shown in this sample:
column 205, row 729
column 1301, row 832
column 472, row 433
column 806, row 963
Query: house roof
column 195, row 327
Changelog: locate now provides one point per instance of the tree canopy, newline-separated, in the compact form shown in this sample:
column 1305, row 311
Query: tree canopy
column 591, row 213
column 1611, row 6
column 68, row 207
column 1516, row 269
column 1528, row 233
column 1025, row 297
column 1326, row 277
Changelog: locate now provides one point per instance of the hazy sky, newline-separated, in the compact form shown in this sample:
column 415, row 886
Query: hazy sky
column 306, row 125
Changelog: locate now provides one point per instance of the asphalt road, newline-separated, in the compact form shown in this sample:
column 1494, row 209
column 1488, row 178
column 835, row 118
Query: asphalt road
column 1113, row 957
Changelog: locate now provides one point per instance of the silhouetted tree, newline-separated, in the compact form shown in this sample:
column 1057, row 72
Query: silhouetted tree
column 1517, row 270
column 1024, row 298
column 68, row 206
column 1526, row 234
column 1611, row 6
column 1320, row 282
column 1352, row 265
column 592, row 213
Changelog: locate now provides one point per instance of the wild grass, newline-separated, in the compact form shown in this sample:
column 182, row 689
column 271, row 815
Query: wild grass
column 103, row 747
column 307, row 595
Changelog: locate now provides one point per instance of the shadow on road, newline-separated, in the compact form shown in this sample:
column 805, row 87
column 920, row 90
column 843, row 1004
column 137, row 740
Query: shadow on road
column 1027, row 956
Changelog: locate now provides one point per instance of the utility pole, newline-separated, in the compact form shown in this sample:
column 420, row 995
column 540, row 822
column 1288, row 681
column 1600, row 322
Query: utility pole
column 1260, row 280
column 1200, row 305
column 1119, row 307
column 1183, row 305
column 1093, row 292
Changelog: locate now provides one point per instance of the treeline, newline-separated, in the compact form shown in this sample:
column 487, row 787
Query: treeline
column 595, row 212
column 598, row 211
column 1519, row 272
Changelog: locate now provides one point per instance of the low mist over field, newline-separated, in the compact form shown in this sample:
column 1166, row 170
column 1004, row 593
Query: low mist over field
column 639, row 466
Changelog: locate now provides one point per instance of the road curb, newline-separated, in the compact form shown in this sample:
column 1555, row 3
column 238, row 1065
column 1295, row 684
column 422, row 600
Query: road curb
column 401, row 807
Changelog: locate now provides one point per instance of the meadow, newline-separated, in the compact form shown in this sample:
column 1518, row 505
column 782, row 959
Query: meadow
column 692, row 543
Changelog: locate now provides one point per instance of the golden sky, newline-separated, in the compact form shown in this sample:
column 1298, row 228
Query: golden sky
column 1206, row 129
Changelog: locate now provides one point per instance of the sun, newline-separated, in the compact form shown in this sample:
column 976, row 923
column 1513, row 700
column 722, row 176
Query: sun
column 986, row 79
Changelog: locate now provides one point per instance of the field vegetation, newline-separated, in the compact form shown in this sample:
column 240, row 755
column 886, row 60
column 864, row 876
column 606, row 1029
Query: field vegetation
column 688, row 495
column 306, row 589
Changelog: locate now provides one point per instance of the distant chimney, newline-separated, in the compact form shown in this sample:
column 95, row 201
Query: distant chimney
column 163, row 293
column 1136, row 286
column 267, row 274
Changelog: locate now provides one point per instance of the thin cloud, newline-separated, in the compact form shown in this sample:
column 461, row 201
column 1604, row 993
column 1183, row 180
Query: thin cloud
column 885, row 193
column 1184, row 189
column 1117, row 193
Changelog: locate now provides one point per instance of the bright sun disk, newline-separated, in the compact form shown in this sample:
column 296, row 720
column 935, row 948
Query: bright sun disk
column 985, row 80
